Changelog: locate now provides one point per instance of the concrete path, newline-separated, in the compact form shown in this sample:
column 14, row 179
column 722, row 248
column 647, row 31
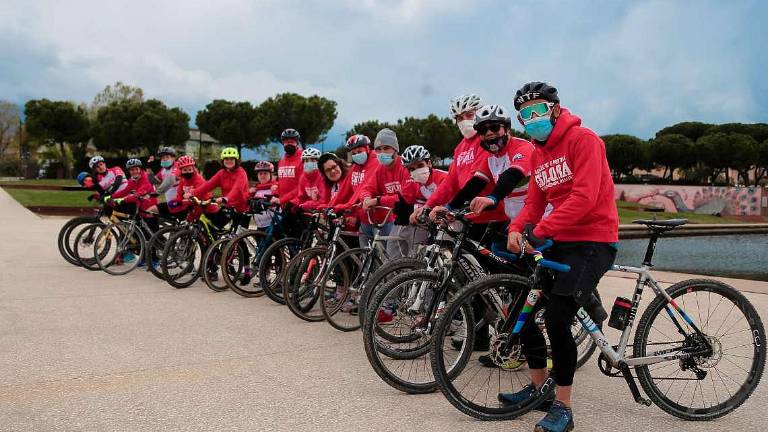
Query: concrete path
column 87, row 351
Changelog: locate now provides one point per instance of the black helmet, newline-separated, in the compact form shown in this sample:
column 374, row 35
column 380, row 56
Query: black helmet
column 166, row 151
column 290, row 133
column 535, row 90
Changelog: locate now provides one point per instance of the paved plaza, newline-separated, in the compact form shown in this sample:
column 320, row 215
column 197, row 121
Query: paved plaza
column 86, row 351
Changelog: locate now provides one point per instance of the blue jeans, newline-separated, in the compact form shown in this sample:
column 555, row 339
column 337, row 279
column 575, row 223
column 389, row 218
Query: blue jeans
column 366, row 233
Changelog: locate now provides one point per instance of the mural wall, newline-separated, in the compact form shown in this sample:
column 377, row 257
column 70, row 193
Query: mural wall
column 738, row 201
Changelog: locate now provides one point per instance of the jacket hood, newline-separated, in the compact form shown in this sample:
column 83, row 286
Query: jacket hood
column 565, row 122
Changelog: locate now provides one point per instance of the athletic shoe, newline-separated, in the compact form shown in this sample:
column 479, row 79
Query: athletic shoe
column 558, row 419
column 508, row 365
column 523, row 395
column 128, row 257
column 349, row 306
column 245, row 279
column 213, row 276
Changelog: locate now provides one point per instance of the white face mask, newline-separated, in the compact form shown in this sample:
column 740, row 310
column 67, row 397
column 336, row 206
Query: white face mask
column 467, row 128
column 420, row 175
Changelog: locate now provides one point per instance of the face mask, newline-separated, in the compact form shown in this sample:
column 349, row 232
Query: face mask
column 494, row 145
column 166, row 163
column 290, row 150
column 385, row 158
column 310, row 166
column 360, row 158
column 539, row 128
column 420, row 175
column 187, row 175
column 467, row 128
column 136, row 177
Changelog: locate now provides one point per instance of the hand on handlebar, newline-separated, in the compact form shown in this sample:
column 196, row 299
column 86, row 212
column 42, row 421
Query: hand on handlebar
column 440, row 211
column 416, row 216
column 370, row 202
column 479, row 204
column 514, row 242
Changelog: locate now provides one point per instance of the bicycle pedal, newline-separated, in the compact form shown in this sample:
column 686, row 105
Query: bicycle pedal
column 643, row 401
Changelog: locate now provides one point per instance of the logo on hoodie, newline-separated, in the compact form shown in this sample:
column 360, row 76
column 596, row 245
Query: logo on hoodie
column 553, row 173
column 357, row 178
column 392, row 187
column 286, row 172
column 465, row 158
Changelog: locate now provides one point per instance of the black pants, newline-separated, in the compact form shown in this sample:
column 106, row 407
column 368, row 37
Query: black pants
column 589, row 261
column 164, row 211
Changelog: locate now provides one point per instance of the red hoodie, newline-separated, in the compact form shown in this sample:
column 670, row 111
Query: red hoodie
column 571, row 172
column 234, row 187
column 516, row 154
column 350, row 188
column 136, row 188
column 459, row 172
column 289, row 171
column 390, row 183
column 311, row 191
column 426, row 190
column 188, row 188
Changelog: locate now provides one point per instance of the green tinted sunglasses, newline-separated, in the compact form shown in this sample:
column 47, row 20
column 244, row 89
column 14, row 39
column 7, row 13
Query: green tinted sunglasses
column 540, row 109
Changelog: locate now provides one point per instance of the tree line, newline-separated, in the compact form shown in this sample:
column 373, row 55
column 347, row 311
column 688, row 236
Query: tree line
column 701, row 153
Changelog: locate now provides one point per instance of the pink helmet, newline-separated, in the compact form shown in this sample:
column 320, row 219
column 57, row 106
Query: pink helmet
column 264, row 166
column 185, row 161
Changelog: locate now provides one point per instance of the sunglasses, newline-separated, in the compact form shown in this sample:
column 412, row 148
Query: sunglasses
column 540, row 109
column 482, row 129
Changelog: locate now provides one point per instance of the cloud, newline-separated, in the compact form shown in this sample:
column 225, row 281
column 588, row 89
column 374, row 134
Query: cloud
column 629, row 67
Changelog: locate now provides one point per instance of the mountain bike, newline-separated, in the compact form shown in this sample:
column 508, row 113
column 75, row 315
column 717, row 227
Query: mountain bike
column 698, row 350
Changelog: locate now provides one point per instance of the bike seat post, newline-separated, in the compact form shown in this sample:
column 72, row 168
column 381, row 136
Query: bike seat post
column 648, row 260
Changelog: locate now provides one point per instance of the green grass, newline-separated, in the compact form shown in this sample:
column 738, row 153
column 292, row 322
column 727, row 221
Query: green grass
column 55, row 182
column 27, row 197
column 627, row 215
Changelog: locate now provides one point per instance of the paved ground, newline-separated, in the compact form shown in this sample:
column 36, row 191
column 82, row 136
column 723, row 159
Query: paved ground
column 84, row 350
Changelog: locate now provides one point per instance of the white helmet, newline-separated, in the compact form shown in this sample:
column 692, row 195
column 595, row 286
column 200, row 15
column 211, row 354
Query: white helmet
column 464, row 103
column 310, row 153
column 95, row 160
column 492, row 113
column 415, row 153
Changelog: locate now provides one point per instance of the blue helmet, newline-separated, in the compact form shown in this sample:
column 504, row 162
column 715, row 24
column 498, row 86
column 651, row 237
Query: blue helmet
column 81, row 177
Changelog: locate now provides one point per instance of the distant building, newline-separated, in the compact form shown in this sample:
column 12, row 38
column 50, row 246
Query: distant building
column 201, row 146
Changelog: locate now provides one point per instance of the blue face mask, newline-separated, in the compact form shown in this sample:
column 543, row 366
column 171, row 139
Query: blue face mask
column 539, row 128
column 310, row 166
column 166, row 163
column 360, row 158
column 385, row 158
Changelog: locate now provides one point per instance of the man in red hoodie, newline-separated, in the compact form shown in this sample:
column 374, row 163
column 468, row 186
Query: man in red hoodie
column 570, row 172
column 364, row 164
column 391, row 184
column 289, row 171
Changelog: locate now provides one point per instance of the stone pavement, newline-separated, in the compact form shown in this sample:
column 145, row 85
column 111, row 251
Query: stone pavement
column 83, row 350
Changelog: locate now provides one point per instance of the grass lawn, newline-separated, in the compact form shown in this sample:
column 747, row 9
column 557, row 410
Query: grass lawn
column 29, row 197
column 627, row 215
column 56, row 182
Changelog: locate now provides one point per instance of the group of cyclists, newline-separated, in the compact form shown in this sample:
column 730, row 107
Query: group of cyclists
column 555, row 186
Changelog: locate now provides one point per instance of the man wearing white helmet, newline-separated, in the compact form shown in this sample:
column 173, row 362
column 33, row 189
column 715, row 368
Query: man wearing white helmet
column 106, row 177
column 462, row 110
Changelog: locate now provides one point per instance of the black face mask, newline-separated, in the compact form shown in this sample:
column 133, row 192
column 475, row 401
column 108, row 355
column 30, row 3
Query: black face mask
column 187, row 175
column 290, row 150
column 494, row 145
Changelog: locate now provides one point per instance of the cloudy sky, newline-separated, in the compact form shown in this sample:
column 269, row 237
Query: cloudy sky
column 624, row 67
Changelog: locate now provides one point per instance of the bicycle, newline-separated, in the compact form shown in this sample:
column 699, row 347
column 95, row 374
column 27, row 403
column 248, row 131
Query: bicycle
column 671, row 345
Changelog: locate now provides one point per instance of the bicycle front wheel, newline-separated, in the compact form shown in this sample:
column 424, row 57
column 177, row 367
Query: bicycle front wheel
column 720, row 369
column 273, row 264
column 182, row 259
column 244, row 251
column 118, row 249
column 302, row 288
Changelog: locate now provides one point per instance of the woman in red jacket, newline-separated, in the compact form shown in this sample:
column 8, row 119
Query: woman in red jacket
column 137, row 192
column 364, row 164
column 570, row 172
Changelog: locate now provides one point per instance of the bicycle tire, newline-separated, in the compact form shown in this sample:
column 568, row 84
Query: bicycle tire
column 386, row 272
column 211, row 259
column 298, row 286
column 105, row 262
column 155, row 249
column 756, row 338
column 273, row 264
column 233, row 283
column 84, row 242
column 336, row 315
column 191, row 268
column 65, row 234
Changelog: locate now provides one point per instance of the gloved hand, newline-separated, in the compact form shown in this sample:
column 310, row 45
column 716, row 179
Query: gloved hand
column 532, row 239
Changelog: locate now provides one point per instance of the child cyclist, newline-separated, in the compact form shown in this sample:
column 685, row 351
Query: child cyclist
column 137, row 192
column 166, row 180
column 264, row 189
column 311, row 184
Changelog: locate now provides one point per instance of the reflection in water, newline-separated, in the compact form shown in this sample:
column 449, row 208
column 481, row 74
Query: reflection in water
column 739, row 256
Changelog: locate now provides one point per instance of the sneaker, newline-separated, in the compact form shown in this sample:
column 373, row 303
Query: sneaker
column 349, row 306
column 523, row 395
column 558, row 419
column 128, row 257
column 508, row 365
column 245, row 279
column 384, row 316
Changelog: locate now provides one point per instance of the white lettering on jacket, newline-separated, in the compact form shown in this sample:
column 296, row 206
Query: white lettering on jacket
column 465, row 158
column 286, row 172
column 392, row 187
column 357, row 178
column 552, row 173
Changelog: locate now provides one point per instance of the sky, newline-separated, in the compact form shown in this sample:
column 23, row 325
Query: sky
column 623, row 67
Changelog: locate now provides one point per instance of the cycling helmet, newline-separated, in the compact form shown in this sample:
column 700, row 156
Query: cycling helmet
column 264, row 166
column 185, row 161
column 290, row 133
column 230, row 152
column 94, row 160
column 311, row 153
column 535, row 90
column 492, row 113
column 415, row 153
column 464, row 103
column 166, row 151
column 132, row 163
column 81, row 177
column 358, row 140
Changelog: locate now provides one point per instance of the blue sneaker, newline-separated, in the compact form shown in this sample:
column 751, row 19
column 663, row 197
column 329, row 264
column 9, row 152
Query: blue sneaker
column 523, row 395
column 128, row 256
column 558, row 419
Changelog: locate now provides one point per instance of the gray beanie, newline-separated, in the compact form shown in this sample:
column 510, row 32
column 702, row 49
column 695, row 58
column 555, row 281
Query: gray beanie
column 386, row 137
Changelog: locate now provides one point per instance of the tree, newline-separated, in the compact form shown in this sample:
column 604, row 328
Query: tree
column 761, row 165
column 117, row 92
column 671, row 152
column 624, row 152
column 743, row 155
column 712, row 152
column 231, row 123
column 312, row 116
column 368, row 128
column 692, row 130
column 9, row 125
column 130, row 127
column 758, row 131
column 58, row 122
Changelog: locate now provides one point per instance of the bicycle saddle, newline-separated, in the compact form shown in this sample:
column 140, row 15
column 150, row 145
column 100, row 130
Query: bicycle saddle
column 661, row 224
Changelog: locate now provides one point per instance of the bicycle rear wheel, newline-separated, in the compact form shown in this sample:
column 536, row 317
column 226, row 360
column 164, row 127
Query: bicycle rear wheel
column 119, row 250
column 708, row 383
column 213, row 269
column 340, row 307
column 155, row 248
column 273, row 264
column 302, row 287
column 182, row 259
column 384, row 273
column 83, row 246
column 68, row 234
